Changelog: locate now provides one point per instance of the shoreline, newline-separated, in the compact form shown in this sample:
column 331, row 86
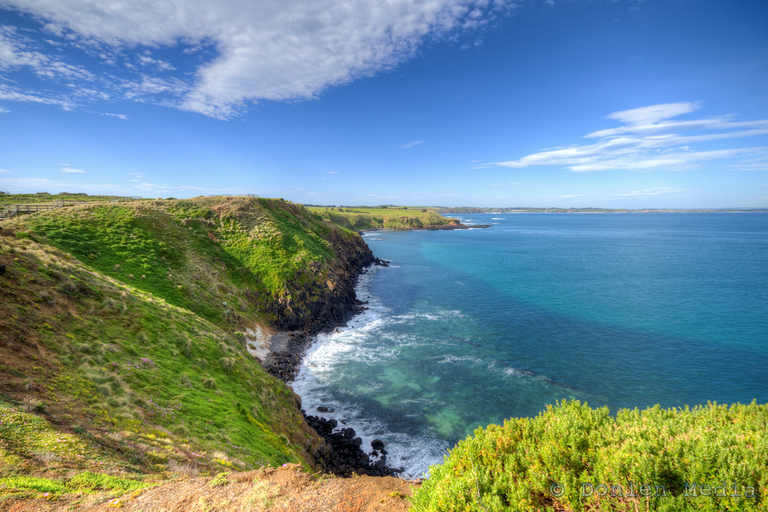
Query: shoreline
column 433, row 227
column 343, row 453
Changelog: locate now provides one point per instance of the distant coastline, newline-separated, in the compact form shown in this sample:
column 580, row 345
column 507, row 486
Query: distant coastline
column 443, row 210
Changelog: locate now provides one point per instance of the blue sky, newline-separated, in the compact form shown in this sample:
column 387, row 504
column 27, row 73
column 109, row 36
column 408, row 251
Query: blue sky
column 566, row 103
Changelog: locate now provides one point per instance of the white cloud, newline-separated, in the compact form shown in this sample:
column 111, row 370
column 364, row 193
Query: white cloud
column 17, row 50
column 4, row 110
column 4, row 170
column 14, row 94
column 146, row 60
column 333, row 172
column 265, row 50
column 658, row 191
column 753, row 164
column 654, row 113
column 409, row 145
column 119, row 116
column 568, row 196
column 30, row 185
column 649, row 142
column 70, row 170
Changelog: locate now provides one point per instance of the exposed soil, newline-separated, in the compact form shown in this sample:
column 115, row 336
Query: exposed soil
column 285, row 489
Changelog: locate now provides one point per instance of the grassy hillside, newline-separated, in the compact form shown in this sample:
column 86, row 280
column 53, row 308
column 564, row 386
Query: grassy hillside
column 6, row 199
column 121, row 344
column 400, row 218
column 228, row 260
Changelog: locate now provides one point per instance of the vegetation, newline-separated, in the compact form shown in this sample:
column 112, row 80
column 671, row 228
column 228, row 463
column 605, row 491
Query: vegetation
column 123, row 364
column 401, row 218
column 225, row 260
column 44, row 197
column 573, row 457
column 121, row 341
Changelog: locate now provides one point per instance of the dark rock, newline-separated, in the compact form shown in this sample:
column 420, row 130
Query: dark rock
column 377, row 444
column 333, row 304
column 2, row 270
column 341, row 453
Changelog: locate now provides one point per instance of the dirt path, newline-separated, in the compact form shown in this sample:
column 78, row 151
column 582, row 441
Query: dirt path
column 285, row 489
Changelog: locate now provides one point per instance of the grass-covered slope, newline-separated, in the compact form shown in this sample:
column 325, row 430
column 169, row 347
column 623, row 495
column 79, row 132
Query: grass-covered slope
column 572, row 457
column 120, row 338
column 360, row 218
column 229, row 260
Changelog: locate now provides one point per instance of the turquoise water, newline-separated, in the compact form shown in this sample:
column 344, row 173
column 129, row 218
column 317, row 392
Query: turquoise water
column 467, row 328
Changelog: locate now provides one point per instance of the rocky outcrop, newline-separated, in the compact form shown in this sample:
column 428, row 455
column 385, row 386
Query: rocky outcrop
column 316, row 308
column 323, row 296
column 343, row 454
column 319, row 307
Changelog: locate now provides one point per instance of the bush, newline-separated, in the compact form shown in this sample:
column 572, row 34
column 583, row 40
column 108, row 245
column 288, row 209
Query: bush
column 573, row 457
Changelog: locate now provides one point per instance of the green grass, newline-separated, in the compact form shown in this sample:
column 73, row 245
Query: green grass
column 573, row 457
column 207, row 255
column 6, row 199
column 24, row 435
column 398, row 218
column 85, row 482
column 135, row 382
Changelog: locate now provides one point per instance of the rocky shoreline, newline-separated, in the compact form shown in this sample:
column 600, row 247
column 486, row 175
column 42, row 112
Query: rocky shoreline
column 343, row 453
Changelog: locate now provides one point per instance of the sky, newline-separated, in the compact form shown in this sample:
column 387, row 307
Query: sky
column 494, row 103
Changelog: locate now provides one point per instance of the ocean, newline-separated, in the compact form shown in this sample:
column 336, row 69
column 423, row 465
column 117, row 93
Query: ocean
column 468, row 328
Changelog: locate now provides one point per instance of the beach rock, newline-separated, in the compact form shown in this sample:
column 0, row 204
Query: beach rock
column 341, row 453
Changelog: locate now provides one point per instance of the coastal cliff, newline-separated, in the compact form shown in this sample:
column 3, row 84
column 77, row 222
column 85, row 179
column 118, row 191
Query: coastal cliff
column 124, row 332
column 126, row 382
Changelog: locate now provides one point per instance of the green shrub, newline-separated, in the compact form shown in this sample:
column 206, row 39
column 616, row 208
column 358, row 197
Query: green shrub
column 219, row 480
column 572, row 457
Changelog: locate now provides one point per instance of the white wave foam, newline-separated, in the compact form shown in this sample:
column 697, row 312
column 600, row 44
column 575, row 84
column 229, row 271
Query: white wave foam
column 317, row 375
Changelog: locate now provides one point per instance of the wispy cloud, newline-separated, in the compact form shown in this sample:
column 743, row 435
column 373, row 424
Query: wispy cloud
column 658, row 191
column 650, row 141
column 4, row 170
column 70, row 170
column 13, row 94
column 28, row 185
column 119, row 116
column 4, row 110
column 240, row 51
column 568, row 196
column 409, row 145
column 333, row 172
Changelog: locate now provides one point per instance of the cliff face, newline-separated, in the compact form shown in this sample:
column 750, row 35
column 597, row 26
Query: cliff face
column 317, row 304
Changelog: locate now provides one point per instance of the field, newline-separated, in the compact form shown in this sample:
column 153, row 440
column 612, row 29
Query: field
column 398, row 218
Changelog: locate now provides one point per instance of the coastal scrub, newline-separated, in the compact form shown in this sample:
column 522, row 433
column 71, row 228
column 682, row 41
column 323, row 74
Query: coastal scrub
column 573, row 457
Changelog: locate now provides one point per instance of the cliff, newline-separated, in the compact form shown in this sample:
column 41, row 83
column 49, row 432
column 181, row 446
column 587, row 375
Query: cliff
column 122, row 336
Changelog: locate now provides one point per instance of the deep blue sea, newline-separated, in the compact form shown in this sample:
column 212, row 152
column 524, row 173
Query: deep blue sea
column 467, row 328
